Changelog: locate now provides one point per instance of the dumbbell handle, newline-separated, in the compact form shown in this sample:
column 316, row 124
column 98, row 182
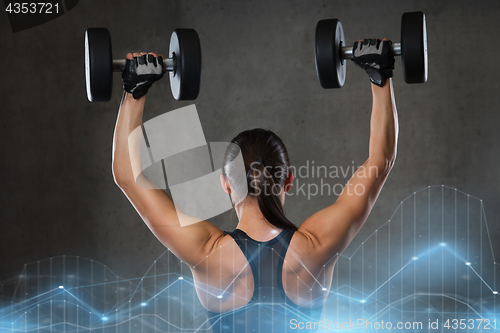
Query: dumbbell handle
column 347, row 51
column 119, row 65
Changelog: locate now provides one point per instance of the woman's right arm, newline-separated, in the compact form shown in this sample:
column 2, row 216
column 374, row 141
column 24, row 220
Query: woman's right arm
column 190, row 243
column 330, row 230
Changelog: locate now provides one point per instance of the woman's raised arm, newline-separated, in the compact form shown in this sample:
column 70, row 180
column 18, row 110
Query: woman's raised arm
column 189, row 243
column 330, row 230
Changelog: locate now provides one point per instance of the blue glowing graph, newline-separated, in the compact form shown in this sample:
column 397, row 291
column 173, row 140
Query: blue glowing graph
column 432, row 261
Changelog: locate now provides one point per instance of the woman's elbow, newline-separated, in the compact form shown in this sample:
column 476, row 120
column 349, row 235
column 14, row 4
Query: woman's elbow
column 382, row 164
column 392, row 160
column 120, row 179
column 389, row 163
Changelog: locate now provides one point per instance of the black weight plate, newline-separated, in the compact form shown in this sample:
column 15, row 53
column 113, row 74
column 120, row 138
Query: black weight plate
column 414, row 47
column 185, row 49
column 330, row 66
column 98, row 64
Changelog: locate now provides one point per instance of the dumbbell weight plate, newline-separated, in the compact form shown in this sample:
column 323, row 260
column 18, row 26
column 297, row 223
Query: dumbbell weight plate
column 330, row 66
column 98, row 64
column 414, row 47
column 185, row 49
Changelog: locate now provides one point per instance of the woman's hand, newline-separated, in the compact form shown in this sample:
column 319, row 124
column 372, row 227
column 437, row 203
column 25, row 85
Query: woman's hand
column 376, row 57
column 141, row 71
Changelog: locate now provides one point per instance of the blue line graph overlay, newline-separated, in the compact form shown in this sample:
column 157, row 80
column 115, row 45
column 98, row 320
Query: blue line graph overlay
column 433, row 261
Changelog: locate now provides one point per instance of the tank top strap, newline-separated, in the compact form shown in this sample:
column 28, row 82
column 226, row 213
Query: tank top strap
column 240, row 237
column 285, row 243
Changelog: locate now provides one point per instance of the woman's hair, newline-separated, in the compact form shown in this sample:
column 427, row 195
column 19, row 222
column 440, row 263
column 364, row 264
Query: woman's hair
column 266, row 168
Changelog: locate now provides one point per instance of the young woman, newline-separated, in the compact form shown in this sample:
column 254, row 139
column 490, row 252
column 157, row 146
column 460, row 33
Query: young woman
column 268, row 274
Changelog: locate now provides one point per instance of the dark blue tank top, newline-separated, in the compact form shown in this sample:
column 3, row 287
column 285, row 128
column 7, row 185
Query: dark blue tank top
column 269, row 309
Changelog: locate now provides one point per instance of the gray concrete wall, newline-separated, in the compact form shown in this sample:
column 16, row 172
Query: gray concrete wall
column 58, row 196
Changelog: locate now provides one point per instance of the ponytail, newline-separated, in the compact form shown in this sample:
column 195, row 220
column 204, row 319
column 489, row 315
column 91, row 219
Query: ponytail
column 266, row 167
column 267, row 193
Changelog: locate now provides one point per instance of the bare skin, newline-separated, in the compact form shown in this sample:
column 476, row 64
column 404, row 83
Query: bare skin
column 223, row 278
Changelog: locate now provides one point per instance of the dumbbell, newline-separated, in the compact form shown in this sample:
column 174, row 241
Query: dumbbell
column 183, row 64
column 331, row 50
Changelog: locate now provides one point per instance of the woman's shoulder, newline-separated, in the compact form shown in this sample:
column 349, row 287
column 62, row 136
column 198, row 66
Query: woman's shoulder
column 302, row 243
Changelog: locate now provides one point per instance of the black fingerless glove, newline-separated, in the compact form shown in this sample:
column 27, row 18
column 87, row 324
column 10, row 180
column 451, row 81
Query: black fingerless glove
column 375, row 56
column 140, row 73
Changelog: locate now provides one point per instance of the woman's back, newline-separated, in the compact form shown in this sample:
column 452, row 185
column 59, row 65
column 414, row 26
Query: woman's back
column 226, row 272
column 258, row 289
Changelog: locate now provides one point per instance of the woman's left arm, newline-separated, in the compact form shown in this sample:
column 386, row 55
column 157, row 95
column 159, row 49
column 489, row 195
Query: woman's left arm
column 189, row 243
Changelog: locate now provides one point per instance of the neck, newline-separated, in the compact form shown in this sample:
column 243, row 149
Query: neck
column 253, row 222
